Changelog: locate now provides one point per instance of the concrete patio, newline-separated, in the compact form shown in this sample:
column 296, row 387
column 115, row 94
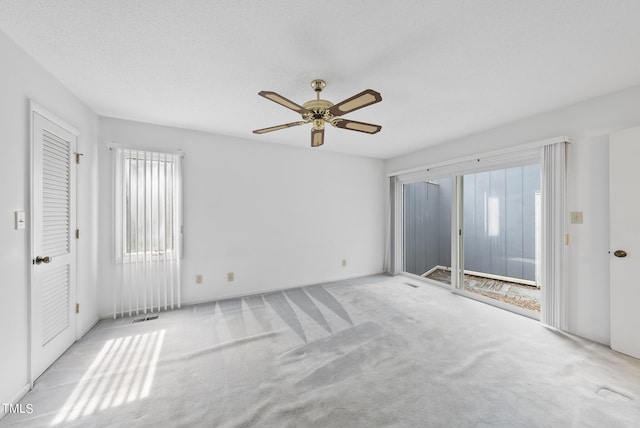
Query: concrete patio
column 524, row 296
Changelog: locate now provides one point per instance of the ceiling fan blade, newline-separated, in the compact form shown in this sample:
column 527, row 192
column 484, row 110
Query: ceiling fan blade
column 317, row 137
column 278, row 127
column 363, row 99
column 276, row 98
column 356, row 126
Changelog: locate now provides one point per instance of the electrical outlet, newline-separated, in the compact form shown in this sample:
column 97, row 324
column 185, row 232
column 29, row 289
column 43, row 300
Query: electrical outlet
column 344, row 262
column 198, row 279
column 229, row 276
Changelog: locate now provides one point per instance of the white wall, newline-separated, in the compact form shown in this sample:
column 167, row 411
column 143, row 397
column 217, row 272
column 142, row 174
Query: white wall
column 21, row 79
column 276, row 216
column 589, row 125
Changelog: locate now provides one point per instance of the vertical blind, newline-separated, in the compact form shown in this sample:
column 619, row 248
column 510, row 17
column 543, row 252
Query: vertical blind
column 554, row 258
column 147, row 231
column 392, row 263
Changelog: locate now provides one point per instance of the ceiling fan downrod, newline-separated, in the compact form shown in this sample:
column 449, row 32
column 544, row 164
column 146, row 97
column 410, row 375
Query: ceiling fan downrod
column 318, row 85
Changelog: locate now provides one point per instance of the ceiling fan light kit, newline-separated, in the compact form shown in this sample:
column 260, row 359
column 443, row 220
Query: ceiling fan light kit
column 318, row 112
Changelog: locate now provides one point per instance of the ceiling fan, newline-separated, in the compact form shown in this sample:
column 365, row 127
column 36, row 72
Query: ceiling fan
column 318, row 112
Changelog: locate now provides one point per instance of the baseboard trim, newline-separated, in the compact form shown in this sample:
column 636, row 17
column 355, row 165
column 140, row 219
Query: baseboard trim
column 272, row 290
column 255, row 293
column 88, row 329
column 16, row 398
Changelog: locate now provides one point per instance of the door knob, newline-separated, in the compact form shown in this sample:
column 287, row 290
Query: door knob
column 39, row 259
column 620, row 253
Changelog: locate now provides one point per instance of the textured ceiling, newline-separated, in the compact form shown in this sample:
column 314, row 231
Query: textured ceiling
column 445, row 68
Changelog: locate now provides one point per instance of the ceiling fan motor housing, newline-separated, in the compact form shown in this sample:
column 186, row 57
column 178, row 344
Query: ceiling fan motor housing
column 318, row 112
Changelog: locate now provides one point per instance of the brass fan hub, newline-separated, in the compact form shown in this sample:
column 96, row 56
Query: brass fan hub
column 319, row 112
column 318, row 105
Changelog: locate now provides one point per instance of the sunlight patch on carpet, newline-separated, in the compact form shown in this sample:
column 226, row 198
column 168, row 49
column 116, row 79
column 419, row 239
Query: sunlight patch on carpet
column 123, row 371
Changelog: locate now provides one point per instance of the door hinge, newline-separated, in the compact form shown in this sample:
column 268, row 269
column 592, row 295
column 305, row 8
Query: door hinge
column 77, row 308
column 77, row 233
column 566, row 239
column 78, row 157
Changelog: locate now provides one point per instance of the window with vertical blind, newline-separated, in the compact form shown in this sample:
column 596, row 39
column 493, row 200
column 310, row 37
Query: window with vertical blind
column 147, row 204
column 156, row 173
column 147, row 229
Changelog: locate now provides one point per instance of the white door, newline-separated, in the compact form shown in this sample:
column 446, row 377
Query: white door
column 624, row 220
column 53, row 246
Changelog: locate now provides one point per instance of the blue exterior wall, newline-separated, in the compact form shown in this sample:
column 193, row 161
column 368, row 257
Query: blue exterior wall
column 427, row 225
column 499, row 223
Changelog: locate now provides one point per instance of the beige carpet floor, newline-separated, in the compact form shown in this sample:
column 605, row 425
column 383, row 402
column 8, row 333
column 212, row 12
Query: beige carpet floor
column 374, row 351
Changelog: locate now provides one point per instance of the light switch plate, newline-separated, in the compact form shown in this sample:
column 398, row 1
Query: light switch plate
column 20, row 220
column 576, row 217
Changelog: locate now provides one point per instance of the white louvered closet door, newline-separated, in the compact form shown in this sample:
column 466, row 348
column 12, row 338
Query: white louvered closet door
column 53, row 269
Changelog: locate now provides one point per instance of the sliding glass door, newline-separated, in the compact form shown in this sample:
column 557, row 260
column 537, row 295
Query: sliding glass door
column 477, row 233
column 500, row 230
column 427, row 229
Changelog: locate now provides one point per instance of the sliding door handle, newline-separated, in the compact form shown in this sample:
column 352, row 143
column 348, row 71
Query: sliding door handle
column 620, row 253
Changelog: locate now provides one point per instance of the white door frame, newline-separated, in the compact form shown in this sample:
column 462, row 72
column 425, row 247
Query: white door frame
column 35, row 108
